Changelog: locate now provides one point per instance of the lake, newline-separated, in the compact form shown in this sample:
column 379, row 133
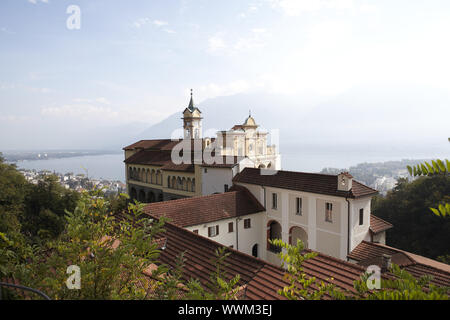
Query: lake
column 111, row 166
column 107, row 166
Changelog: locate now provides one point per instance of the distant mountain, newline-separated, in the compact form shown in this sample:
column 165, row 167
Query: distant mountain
column 364, row 124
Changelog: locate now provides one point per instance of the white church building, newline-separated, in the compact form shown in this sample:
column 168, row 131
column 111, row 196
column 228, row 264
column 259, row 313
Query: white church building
column 242, row 198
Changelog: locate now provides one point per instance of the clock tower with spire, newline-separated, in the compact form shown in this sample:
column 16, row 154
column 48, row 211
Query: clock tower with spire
column 192, row 121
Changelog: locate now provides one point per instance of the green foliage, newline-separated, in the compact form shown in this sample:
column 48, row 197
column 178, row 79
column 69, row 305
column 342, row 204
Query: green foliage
column 437, row 167
column 426, row 169
column 169, row 283
column 45, row 206
column 111, row 253
column 401, row 285
column 301, row 286
column 218, row 288
column 407, row 208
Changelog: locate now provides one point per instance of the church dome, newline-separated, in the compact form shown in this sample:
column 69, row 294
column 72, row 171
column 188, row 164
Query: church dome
column 249, row 121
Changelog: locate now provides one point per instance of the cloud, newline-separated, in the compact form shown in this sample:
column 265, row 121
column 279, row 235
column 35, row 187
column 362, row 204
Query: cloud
column 216, row 43
column 212, row 89
column 222, row 43
column 144, row 21
column 40, row 90
column 7, row 31
column 160, row 23
column 36, row 1
column 297, row 7
column 80, row 111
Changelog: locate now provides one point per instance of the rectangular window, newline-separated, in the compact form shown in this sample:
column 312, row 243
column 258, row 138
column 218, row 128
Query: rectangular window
column 195, row 231
column 329, row 212
column 213, row 231
column 298, row 206
column 225, row 187
column 247, row 224
column 230, row 227
column 361, row 217
column 274, row 200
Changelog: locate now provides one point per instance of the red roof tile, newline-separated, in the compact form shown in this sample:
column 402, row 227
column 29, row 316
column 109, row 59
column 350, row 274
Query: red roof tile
column 302, row 181
column 261, row 279
column 198, row 210
column 367, row 253
column 378, row 225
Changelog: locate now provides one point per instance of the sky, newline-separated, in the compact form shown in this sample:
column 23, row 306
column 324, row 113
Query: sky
column 135, row 61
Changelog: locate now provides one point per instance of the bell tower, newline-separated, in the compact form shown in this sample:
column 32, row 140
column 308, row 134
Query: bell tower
column 192, row 121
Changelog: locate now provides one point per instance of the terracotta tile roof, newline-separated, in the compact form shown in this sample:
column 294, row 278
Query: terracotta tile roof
column 158, row 144
column 261, row 279
column 226, row 162
column 302, row 181
column 270, row 278
column 378, row 225
column 367, row 253
column 199, row 253
column 150, row 157
column 199, row 210
column 347, row 174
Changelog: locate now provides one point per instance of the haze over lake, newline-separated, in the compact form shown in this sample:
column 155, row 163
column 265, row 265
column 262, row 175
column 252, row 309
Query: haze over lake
column 111, row 166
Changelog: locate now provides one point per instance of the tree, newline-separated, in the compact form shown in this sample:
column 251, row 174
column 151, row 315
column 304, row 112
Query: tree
column 45, row 205
column 110, row 251
column 401, row 285
column 218, row 288
column 301, row 286
column 437, row 167
column 407, row 207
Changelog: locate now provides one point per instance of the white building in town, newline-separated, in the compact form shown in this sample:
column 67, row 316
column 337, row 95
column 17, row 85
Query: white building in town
column 208, row 163
column 328, row 213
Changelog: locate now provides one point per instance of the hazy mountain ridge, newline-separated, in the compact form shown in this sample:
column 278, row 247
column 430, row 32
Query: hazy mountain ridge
column 364, row 124
column 381, row 176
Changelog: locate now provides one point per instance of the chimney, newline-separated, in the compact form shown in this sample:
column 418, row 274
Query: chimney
column 385, row 262
column 344, row 181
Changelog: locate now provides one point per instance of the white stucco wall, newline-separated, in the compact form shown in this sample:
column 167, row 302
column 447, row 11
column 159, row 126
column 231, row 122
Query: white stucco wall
column 359, row 232
column 214, row 179
column 329, row 238
column 247, row 238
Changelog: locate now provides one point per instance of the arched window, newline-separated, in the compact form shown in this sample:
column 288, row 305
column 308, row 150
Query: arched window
column 298, row 233
column 168, row 182
column 174, row 183
column 179, row 184
column 193, row 185
column 150, row 197
column 255, row 250
column 141, row 196
column 153, row 179
column 273, row 232
column 189, row 184
column 184, row 184
column 158, row 177
column 133, row 194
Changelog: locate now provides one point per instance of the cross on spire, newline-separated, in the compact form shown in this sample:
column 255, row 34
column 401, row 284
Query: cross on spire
column 191, row 103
